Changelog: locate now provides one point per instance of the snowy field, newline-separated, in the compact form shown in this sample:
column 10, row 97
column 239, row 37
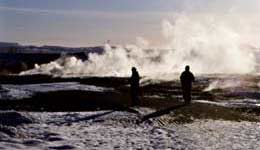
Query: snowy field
column 120, row 130
column 224, row 115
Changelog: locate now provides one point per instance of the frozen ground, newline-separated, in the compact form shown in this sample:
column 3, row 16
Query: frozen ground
column 120, row 130
column 221, row 117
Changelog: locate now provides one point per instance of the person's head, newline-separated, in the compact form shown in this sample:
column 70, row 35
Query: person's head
column 187, row 68
column 134, row 69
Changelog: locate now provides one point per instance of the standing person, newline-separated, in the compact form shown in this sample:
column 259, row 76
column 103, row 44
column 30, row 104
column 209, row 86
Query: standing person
column 186, row 83
column 134, row 89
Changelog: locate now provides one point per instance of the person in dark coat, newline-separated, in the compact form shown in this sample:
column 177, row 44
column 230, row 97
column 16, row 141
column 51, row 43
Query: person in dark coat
column 134, row 86
column 186, row 83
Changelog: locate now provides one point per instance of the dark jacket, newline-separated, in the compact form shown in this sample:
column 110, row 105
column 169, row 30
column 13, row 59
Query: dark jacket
column 186, row 80
column 134, row 80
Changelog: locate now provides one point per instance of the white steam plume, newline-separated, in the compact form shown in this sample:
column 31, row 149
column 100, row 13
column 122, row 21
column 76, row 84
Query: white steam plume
column 208, row 43
column 223, row 84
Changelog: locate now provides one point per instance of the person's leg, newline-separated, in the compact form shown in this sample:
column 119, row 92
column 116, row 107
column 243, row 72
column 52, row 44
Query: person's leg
column 189, row 96
column 186, row 97
column 134, row 97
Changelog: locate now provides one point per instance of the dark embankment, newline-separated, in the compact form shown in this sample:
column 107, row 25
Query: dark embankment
column 72, row 100
column 67, row 101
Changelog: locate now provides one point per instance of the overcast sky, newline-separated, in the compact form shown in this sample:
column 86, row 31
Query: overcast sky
column 92, row 22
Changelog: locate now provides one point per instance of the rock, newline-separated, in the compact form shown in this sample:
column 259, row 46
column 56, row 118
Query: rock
column 13, row 118
column 5, row 130
column 62, row 147
column 32, row 142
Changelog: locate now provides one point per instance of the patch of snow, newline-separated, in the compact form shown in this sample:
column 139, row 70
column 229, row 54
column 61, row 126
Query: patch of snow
column 119, row 130
column 11, row 91
column 247, row 103
column 222, row 135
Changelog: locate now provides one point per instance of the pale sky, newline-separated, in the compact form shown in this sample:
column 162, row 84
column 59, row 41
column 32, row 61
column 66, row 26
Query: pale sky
column 92, row 22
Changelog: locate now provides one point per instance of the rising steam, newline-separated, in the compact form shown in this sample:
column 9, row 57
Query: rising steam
column 209, row 44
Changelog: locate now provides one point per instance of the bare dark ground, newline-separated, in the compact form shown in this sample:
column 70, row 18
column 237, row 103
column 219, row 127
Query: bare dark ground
column 164, row 97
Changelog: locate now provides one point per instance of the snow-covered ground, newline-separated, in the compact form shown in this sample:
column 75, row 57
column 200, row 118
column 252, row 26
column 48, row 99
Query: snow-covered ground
column 120, row 130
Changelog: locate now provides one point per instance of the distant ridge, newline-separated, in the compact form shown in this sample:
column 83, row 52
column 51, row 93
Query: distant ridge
column 15, row 58
column 11, row 47
column 8, row 44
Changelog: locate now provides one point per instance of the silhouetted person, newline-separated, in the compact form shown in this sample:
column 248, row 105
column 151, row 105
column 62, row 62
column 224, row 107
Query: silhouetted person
column 186, row 83
column 134, row 89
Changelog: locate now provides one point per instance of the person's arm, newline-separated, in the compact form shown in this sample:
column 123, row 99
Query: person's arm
column 136, row 77
column 130, row 80
column 181, row 77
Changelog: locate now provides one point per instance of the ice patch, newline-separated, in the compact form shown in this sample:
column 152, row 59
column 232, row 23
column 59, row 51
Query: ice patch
column 11, row 91
column 245, row 103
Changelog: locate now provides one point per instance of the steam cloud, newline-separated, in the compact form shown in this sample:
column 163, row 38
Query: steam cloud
column 218, row 84
column 208, row 43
